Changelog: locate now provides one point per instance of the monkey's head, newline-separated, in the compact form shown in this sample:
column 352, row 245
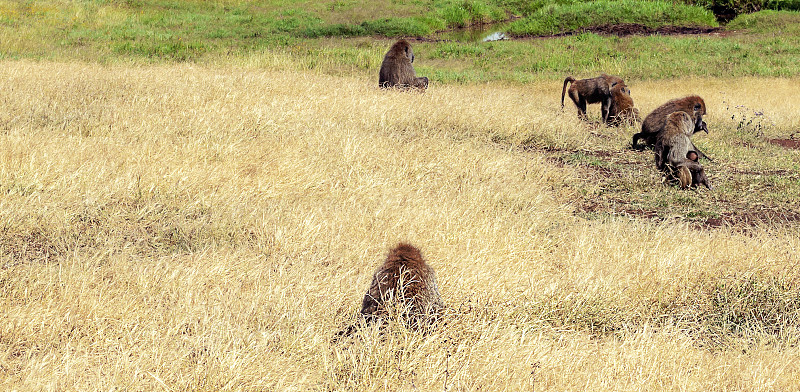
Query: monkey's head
column 612, row 81
column 697, row 108
column 620, row 88
column 682, row 121
column 697, row 104
column 402, row 47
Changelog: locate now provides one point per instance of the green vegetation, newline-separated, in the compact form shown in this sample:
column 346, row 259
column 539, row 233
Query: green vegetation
column 784, row 22
column 558, row 18
column 735, row 7
column 344, row 37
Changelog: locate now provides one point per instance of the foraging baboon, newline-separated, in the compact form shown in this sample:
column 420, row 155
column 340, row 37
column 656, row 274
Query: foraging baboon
column 673, row 151
column 588, row 91
column 622, row 110
column 396, row 69
column 406, row 279
column 656, row 121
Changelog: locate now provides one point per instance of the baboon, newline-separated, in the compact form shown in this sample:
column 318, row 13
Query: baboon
column 588, row 91
column 622, row 110
column 396, row 69
column 404, row 283
column 406, row 279
column 656, row 121
column 697, row 177
column 673, row 151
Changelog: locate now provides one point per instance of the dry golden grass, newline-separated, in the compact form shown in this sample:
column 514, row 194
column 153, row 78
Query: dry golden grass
column 187, row 228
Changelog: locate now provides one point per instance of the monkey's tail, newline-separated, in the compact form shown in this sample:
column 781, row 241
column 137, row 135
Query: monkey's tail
column 568, row 80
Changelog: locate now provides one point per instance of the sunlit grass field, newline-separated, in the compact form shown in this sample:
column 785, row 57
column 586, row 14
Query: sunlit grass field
column 188, row 227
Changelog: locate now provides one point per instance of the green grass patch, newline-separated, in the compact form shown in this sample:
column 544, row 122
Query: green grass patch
column 768, row 22
column 558, row 18
column 325, row 37
column 736, row 7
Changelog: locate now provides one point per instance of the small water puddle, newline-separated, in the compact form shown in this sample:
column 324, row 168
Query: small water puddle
column 496, row 36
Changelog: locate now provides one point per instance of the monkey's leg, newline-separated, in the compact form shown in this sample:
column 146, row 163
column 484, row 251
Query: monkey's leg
column 582, row 109
column 604, row 109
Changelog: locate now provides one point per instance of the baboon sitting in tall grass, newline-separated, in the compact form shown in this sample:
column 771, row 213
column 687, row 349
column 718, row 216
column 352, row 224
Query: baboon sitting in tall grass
column 396, row 69
column 406, row 280
column 404, row 285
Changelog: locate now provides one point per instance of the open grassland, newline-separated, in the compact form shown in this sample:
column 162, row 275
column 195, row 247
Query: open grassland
column 183, row 227
column 339, row 37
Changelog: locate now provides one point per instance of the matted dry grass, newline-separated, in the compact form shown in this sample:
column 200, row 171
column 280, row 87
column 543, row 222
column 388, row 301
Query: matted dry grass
column 187, row 228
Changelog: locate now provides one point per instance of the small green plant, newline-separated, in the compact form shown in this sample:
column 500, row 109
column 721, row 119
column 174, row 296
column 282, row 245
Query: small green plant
column 749, row 121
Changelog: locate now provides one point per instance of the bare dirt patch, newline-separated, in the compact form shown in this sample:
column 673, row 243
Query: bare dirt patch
column 788, row 143
column 753, row 218
column 614, row 178
column 626, row 29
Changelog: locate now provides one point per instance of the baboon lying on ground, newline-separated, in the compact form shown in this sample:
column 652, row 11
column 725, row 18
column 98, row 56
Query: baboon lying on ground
column 396, row 69
column 673, row 153
column 589, row 91
column 622, row 111
column 656, row 121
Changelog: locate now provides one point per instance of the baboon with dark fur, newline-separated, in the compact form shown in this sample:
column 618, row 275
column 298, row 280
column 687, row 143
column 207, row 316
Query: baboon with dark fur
column 396, row 69
column 406, row 279
column 656, row 121
column 622, row 110
column 673, row 153
column 589, row 91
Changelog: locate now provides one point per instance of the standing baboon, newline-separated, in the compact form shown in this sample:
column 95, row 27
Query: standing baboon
column 406, row 279
column 656, row 121
column 673, row 151
column 622, row 110
column 396, row 69
column 588, row 91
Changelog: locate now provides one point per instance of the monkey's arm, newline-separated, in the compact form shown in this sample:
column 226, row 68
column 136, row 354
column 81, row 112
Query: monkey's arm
column 660, row 155
column 691, row 165
column 700, row 154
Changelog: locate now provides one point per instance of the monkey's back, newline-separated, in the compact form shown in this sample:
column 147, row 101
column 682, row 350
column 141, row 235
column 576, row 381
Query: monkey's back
column 672, row 144
column 657, row 119
column 404, row 276
column 396, row 68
